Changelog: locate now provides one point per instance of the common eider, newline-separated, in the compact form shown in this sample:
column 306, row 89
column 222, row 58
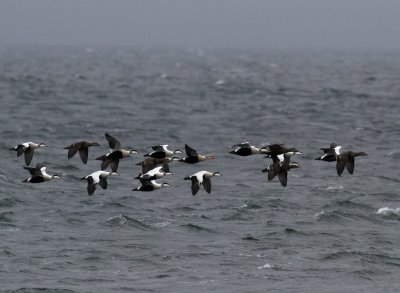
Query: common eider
column 201, row 178
column 115, row 155
column 82, row 147
column 98, row 177
column 192, row 157
column 245, row 149
column 39, row 174
column 27, row 148
column 150, row 185
column 161, row 152
column 156, row 173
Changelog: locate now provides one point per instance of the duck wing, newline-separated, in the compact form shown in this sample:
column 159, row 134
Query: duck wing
column 145, row 182
column 113, row 142
column 350, row 165
column 158, row 147
column 207, row 183
column 341, row 162
column 242, row 145
column 195, row 185
column 34, row 171
column 91, row 188
column 114, row 165
column 103, row 181
column 271, row 172
column 190, row 152
column 282, row 175
column 165, row 167
column 28, row 156
column 84, row 154
column 20, row 149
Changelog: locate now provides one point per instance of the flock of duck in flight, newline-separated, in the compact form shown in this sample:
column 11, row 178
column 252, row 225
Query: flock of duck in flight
column 156, row 165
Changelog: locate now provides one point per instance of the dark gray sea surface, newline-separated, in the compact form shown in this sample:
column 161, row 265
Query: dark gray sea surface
column 322, row 233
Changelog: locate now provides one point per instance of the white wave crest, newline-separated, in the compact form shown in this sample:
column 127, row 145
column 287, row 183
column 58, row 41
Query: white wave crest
column 388, row 211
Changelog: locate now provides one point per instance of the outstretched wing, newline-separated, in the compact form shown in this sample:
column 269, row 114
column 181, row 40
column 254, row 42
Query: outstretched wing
column 28, row 156
column 195, row 185
column 114, row 165
column 350, row 165
column 207, row 183
column 158, row 147
column 271, row 173
column 341, row 164
column 282, row 175
column 113, row 142
column 243, row 144
column 34, row 171
column 190, row 152
column 72, row 149
column 165, row 167
column 91, row 188
column 83, row 153
column 104, row 164
column 145, row 182
column 103, row 181
column 20, row 149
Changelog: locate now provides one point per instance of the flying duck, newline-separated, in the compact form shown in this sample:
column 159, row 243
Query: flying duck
column 150, row 163
column 82, row 147
column 98, row 177
column 27, row 148
column 116, row 153
column 284, row 167
column 280, row 156
column 149, row 185
column 274, row 150
column 156, row 173
column 245, row 149
column 201, row 178
column 192, row 157
column 331, row 153
column 346, row 160
column 39, row 174
column 161, row 152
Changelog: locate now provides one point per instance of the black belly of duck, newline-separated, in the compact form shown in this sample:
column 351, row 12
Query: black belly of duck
column 157, row 155
column 242, row 152
column 190, row 160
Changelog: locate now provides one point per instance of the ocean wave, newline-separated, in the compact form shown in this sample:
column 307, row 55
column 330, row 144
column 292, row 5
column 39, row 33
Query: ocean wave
column 195, row 227
column 122, row 220
column 388, row 212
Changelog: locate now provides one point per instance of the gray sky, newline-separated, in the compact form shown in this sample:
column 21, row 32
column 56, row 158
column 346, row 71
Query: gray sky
column 202, row 23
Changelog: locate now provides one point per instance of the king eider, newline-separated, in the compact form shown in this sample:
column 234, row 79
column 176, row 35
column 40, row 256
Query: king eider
column 27, row 148
column 201, row 178
column 192, row 157
column 98, row 177
column 161, row 152
column 115, row 155
column 82, row 147
column 150, row 185
column 331, row 153
column 39, row 174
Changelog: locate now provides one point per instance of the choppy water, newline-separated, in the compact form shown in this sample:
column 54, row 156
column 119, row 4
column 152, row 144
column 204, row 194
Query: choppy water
column 322, row 233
